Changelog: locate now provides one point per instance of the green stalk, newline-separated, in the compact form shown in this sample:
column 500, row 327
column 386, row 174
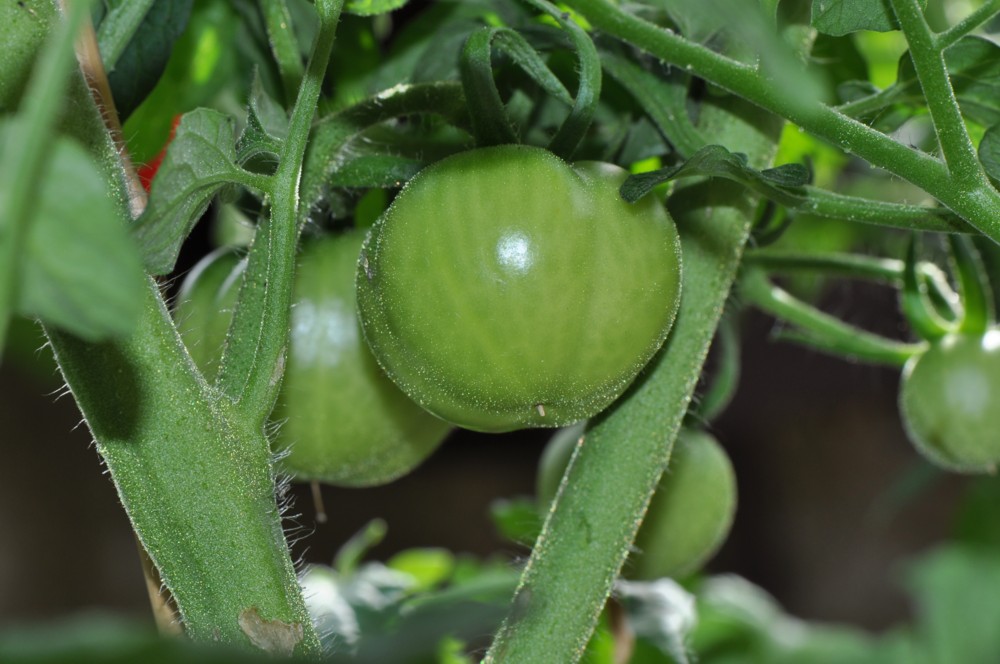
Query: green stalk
column 611, row 477
column 976, row 202
column 831, row 205
column 30, row 133
column 932, row 72
column 193, row 473
column 196, row 482
column 253, row 360
column 820, row 329
column 945, row 39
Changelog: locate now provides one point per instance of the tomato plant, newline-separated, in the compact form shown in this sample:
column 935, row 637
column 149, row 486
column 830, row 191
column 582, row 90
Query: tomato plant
column 340, row 420
column 487, row 289
column 576, row 194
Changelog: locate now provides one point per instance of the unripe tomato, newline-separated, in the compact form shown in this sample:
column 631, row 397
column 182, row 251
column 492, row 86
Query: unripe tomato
column 949, row 402
column 690, row 513
column 504, row 288
column 342, row 421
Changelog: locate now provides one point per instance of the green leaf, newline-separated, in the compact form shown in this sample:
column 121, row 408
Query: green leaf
column 840, row 17
column 989, row 151
column 662, row 613
column 662, row 94
column 517, row 519
column 136, row 51
column 376, row 170
column 717, row 161
column 200, row 161
column 372, row 7
column 267, row 126
column 118, row 23
column 428, row 567
column 959, row 607
column 80, row 270
column 974, row 66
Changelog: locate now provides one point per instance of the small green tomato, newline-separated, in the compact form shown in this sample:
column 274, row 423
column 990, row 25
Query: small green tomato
column 949, row 402
column 690, row 514
column 341, row 420
column 504, row 288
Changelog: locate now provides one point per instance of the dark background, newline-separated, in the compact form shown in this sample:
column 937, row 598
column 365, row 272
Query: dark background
column 832, row 497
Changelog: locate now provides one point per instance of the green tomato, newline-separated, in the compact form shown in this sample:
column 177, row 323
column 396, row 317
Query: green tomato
column 341, row 420
column 948, row 401
column 690, row 514
column 505, row 289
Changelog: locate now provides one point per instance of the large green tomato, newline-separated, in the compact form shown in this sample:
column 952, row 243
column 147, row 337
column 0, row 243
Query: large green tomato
column 690, row 513
column 950, row 402
column 505, row 289
column 341, row 420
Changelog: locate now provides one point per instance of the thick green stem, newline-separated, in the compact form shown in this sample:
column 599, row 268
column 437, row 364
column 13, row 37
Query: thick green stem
column 28, row 137
column 194, row 477
column 932, row 72
column 196, row 481
column 977, row 203
column 612, row 476
column 253, row 361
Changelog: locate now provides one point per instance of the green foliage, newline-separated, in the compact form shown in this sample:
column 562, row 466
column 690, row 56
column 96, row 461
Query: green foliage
column 201, row 160
column 136, row 40
column 80, row 270
column 840, row 17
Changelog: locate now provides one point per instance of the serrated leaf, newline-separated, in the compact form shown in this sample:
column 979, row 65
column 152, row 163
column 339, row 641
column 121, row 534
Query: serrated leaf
column 989, row 151
column 717, row 161
column 150, row 42
column 80, row 270
column 200, row 161
column 372, row 7
column 840, row 17
column 267, row 125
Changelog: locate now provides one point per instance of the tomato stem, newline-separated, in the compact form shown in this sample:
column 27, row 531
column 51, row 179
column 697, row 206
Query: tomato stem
column 821, row 330
column 253, row 359
column 975, row 199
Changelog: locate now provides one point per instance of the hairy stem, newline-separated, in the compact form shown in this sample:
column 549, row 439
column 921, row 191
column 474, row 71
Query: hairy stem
column 932, row 72
column 253, row 360
column 945, row 39
column 979, row 204
column 821, row 329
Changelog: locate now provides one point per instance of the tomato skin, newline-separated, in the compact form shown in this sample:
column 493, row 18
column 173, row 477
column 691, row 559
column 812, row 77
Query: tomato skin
column 505, row 289
column 690, row 514
column 949, row 400
column 342, row 421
